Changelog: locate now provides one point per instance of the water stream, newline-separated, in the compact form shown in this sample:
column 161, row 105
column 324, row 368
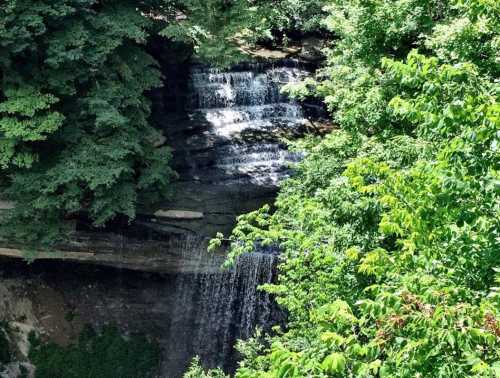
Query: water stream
column 216, row 309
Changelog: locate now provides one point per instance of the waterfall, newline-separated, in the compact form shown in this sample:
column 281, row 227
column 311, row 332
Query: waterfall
column 216, row 309
column 244, row 115
column 212, row 88
column 231, row 147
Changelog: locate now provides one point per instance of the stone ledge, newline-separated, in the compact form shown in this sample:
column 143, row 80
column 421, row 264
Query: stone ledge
column 179, row 254
column 7, row 205
column 179, row 214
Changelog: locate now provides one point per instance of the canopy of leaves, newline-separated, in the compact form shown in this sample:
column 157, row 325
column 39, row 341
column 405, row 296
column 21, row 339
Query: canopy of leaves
column 219, row 29
column 74, row 131
column 389, row 229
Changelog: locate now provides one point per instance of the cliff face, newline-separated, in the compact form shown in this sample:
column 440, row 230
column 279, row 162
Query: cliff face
column 226, row 131
column 228, row 145
column 187, row 314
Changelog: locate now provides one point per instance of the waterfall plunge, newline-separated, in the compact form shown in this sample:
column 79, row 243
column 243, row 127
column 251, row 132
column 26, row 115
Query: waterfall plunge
column 221, row 308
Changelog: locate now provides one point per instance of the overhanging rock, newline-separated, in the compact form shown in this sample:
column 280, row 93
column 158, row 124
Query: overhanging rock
column 179, row 214
column 176, row 254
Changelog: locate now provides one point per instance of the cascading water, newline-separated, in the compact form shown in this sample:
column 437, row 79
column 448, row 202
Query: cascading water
column 220, row 308
column 232, row 141
column 245, row 115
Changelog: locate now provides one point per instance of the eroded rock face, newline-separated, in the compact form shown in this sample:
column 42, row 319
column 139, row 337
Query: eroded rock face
column 229, row 143
column 226, row 130
column 188, row 314
column 27, row 304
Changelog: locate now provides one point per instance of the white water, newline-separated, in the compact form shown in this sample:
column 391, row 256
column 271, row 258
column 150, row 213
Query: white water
column 241, row 108
column 238, row 117
column 223, row 307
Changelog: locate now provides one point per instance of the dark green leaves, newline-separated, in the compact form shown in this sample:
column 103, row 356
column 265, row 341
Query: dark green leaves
column 75, row 135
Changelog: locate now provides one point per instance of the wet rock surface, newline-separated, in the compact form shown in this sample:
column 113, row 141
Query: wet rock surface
column 229, row 147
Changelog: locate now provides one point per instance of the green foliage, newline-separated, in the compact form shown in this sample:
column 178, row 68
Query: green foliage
column 268, row 19
column 470, row 36
column 211, row 27
column 219, row 30
column 74, row 116
column 389, row 227
column 352, row 83
column 25, row 121
column 196, row 371
column 104, row 354
column 381, row 276
column 5, row 352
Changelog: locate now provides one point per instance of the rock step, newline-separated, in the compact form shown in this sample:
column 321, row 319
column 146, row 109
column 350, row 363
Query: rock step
column 179, row 214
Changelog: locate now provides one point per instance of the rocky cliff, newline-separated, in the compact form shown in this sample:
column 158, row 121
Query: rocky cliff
column 226, row 129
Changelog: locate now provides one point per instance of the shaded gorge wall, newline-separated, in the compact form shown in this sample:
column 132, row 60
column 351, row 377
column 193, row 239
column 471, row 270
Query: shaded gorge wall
column 230, row 155
column 226, row 129
column 227, row 139
column 187, row 314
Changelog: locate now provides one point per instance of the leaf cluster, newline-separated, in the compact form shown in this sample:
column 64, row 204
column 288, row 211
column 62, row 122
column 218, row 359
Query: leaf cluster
column 74, row 131
column 103, row 354
column 389, row 227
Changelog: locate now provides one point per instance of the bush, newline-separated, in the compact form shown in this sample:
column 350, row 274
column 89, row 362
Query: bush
column 103, row 354
column 196, row 371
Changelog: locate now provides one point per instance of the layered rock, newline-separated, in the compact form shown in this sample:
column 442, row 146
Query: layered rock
column 229, row 145
column 226, row 130
column 187, row 314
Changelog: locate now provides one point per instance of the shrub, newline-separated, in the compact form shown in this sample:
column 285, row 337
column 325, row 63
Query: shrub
column 103, row 354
